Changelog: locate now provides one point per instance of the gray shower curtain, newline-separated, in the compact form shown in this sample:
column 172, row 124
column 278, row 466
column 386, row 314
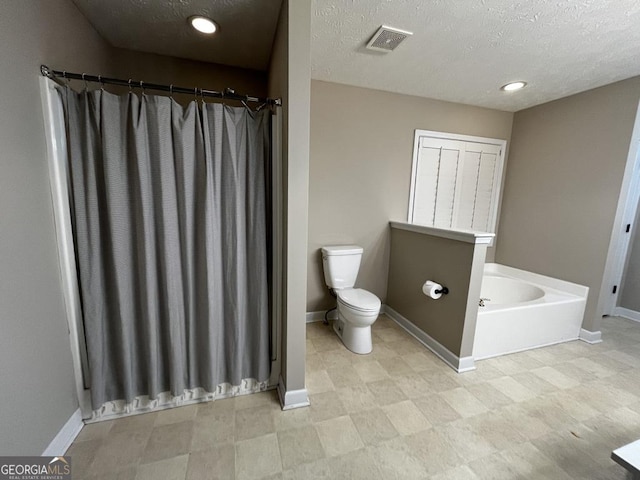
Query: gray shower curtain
column 169, row 221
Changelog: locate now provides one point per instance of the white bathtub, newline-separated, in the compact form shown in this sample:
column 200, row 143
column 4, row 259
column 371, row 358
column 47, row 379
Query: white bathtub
column 524, row 310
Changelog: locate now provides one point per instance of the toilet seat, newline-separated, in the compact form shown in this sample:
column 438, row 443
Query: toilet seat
column 359, row 299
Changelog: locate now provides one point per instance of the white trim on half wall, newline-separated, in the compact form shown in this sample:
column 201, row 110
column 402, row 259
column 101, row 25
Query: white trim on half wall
column 293, row 398
column 590, row 337
column 65, row 437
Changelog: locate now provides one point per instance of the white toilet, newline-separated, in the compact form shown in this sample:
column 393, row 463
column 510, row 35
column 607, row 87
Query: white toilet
column 357, row 308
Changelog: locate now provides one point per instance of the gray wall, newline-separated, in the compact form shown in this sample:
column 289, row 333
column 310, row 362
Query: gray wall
column 563, row 180
column 416, row 258
column 289, row 78
column 38, row 393
column 630, row 289
column 360, row 172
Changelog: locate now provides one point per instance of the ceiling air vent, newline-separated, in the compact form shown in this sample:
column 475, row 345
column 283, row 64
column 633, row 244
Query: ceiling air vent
column 386, row 39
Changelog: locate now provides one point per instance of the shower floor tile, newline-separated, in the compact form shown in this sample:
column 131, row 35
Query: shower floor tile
column 400, row 412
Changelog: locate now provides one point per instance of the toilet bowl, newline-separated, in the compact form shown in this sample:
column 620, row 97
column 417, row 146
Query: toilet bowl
column 357, row 308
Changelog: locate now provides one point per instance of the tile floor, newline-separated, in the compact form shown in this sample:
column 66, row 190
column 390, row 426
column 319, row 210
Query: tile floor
column 551, row 413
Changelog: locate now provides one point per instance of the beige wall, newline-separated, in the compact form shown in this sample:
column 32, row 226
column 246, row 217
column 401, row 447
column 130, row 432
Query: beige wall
column 38, row 392
column 361, row 155
column 563, row 181
column 289, row 78
column 416, row 258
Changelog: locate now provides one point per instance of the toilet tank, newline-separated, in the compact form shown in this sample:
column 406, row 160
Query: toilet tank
column 341, row 264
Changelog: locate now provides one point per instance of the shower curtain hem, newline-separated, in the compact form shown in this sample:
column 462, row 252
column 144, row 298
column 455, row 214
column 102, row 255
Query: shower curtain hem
column 143, row 404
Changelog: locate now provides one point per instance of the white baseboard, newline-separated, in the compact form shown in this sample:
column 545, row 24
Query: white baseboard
column 590, row 337
column 460, row 365
column 65, row 437
column 466, row 364
column 318, row 316
column 315, row 316
column 626, row 313
column 293, row 398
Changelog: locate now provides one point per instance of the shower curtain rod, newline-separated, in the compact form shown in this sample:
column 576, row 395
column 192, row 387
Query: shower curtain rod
column 227, row 93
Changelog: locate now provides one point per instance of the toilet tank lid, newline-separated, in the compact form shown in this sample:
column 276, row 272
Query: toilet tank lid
column 341, row 250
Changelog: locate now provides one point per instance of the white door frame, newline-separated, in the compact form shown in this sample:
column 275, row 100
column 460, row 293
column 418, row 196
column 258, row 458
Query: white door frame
column 625, row 215
column 277, row 246
column 56, row 140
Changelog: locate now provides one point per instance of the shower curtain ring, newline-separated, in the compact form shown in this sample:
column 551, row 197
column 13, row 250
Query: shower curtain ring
column 100, row 81
column 247, row 107
column 86, row 87
column 142, row 87
column 130, row 87
column 171, row 90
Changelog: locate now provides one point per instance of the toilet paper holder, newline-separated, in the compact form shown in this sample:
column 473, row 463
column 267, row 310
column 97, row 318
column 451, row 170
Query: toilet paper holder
column 434, row 290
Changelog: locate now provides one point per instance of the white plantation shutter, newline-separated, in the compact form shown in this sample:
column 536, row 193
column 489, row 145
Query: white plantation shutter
column 427, row 179
column 437, row 171
column 445, row 194
column 455, row 182
column 468, row 189
column 477, row 187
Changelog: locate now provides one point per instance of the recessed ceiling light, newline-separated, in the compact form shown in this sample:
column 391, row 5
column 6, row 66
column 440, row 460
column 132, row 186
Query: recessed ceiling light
column 513, row 86
column 203, row 24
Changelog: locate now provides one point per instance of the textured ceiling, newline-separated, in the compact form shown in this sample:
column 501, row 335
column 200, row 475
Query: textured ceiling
column 464, row 50
column 247, row 28
column 461, row 51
